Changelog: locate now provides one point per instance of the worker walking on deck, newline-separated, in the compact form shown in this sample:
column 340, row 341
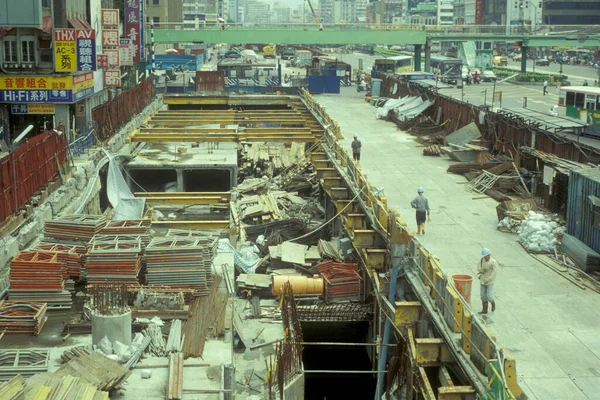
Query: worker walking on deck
column 486, row 271
column 356, row 146
column 421, row 204
column 545, row 88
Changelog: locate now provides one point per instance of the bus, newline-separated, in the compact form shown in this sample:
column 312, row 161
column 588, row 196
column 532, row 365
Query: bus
column 583, row 103
column 449, row 69
column 392, row 65
column 415, row 76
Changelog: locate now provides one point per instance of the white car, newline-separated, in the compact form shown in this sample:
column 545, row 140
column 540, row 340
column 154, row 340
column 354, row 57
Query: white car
column 488, row 76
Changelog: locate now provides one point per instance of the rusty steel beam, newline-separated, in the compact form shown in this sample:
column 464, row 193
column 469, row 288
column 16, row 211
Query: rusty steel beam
column 218, row 137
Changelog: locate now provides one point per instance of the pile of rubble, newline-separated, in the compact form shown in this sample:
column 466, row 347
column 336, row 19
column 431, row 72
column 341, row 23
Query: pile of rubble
column 538, row 233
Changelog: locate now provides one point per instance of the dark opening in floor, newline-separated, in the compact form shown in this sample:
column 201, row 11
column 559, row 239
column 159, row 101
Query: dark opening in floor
column 337, row 358
column 152, row 180
column 207, row 180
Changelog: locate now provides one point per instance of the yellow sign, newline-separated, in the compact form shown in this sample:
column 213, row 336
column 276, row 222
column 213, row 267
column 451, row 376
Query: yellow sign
column 40, row 108
column 83, row 81
column 40, row 82
column 66, row 56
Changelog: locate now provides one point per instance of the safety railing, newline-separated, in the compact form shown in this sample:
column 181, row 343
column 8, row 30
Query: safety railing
column 86, row 140
column 477, row 343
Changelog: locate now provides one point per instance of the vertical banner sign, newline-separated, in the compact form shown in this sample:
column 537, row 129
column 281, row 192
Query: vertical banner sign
column 75, row 50
column 478, row 12
column 113, row 57
column 110, row 38
column 142, row 30
column 132, row 26
column 102, row 61
column 125, row 52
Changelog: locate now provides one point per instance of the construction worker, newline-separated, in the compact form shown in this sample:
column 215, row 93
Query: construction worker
column 421, row 204
column 486, row 271
column 356, row 146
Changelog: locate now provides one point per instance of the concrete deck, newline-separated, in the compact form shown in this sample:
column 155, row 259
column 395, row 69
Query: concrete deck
column 547, row 323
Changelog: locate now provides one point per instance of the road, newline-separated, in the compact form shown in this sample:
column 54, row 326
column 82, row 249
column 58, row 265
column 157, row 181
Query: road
column 512, row 94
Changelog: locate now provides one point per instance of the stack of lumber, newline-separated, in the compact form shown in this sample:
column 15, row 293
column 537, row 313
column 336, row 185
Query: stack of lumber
column 22, row 317
column 433, row 150
column 46, row 387
column 96, row 369
column 39, row 276
column 271, row 206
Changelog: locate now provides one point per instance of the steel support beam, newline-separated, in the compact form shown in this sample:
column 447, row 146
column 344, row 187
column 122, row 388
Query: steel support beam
column 191, row 224
column 226, row 137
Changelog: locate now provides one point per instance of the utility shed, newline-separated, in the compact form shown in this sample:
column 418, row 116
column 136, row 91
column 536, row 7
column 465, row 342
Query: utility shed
column 583, row 209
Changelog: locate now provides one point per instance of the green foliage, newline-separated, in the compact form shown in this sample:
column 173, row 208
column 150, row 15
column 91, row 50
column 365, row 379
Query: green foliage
column 503, row 73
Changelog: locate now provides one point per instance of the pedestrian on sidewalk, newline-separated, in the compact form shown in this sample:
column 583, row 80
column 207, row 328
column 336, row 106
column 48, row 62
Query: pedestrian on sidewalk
column 558, row 85
column 486, row 271
column 421, row 204
column 356, row 146
column 545, row 87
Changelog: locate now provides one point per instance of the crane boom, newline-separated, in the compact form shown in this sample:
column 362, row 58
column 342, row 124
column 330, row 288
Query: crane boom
column 314, row 14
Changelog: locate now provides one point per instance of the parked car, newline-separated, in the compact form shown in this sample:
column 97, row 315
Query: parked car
column 517, row 57
column 488, row 76
column 542, row 62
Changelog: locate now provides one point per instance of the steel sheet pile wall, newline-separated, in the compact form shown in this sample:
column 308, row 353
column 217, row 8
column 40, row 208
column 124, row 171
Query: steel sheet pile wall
column 496, row 127
column 581, row 209
column 36, row 163
column 116, row 113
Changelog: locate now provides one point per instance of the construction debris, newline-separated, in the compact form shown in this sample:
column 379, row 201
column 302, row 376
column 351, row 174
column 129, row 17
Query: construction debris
column 79, row 228
column 174, row 340
column 540, row 233
column 114, row 262
column 46, row 387
column 22, row 317
column 175, row 382
column 585, row 257
column 342, row 281
column 433, row 150
column 258, row 160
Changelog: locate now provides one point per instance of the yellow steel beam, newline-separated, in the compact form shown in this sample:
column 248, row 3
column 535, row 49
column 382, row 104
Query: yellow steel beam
column 407, row 312
column 217, row 137
column 456, row 393
column 192, row 224
column 432, row 351
column 191, row 200
column 376, row 258
column 182, row 194
column 201, row 100
column 278, row 131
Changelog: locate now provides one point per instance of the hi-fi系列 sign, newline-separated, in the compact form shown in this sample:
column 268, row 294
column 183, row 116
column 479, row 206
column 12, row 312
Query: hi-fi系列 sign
column 75, row 50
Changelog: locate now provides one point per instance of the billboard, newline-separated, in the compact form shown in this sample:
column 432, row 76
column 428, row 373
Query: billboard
column 75, row 50
column 46, row 89
column 134, row 27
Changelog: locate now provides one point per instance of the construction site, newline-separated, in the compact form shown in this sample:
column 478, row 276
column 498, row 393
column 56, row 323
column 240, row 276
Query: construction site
column 219, row 247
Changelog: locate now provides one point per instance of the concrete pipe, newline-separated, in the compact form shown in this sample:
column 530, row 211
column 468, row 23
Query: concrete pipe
column 300, row 284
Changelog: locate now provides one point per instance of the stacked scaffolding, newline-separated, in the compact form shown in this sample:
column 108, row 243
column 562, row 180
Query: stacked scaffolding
column 117, row 262
column 22, row 317
column 342, row 281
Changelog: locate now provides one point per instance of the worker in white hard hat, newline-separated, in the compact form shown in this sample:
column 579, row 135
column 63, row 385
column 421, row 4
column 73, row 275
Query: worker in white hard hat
column 486, row 271
column 356, row 146
column 421, row 204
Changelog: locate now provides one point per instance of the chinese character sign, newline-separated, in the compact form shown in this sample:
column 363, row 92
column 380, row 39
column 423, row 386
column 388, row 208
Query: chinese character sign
column 110, row 38
column 133, row 25
column 113, row 57
column 142, row 30
column 112, row 77
column 36, row 89
column 75, row 50
column 110, row 17
column 125, row 52
column 478, row 12
column 33, row 109
column 102, row 61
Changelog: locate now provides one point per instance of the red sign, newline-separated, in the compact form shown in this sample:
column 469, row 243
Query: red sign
column 478, row 12
column 110, row 17
column 133, row 26
column 71, row 35
column 110, row 38
column 102, row 61
column 113, row 57
column 112, row 77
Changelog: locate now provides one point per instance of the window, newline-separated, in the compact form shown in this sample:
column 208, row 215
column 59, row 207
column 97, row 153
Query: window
column 27, row 51
column 46, row 3
column 579, row 100
column 10, row 51
column 155, row 2
column 45, row 46
column 590, row 102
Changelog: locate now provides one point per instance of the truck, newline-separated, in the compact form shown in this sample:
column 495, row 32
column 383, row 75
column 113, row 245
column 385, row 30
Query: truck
column 288, row 53
column 269, row 51
column 500, row 61
column 303, row 58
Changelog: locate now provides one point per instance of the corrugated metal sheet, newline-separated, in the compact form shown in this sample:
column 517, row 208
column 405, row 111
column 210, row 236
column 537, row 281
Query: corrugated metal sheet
column 580, row 209
column 116, row 113
column 210, row 81
column 36, row 163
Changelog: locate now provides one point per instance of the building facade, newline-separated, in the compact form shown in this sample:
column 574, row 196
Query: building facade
column 49, row 77
column 445, row 12
column 570, row 12
column 165, row 13
column 199, row 13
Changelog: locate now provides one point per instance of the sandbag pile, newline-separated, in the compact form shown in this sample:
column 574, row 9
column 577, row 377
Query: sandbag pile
column 540, row 233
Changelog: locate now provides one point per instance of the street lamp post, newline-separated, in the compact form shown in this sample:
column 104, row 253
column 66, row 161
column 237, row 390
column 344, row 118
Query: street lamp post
column 524, row 4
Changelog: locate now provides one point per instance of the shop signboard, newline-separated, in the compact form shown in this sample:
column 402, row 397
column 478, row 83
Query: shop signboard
column 75, row 50
column 112, row 77
column 110, row 38
column 102, row 61
column 125, row 52
column 32, row 109
column 45, row 89
column 133, row 26
column 110, row 17
column 113, row 57
column 478, row 12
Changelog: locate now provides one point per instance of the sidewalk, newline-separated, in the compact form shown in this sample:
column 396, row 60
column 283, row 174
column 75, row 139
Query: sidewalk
column 549, row 325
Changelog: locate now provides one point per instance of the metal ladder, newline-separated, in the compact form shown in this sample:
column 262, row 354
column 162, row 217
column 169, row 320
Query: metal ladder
column 483, row 182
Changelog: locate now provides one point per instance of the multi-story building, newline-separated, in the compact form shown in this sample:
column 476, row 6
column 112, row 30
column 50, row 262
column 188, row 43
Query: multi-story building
column 281, row 14
column 257, row 12
column 494, row 12
column 38, row 85
column 570, row 12
column 200, row 13
column 459, row 12
column 165, row 13
column 422, row 13
column 445, row 12
column 470, row 11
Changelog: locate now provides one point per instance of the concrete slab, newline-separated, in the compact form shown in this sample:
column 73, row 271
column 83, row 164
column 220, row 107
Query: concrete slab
column 533, row 303
column 589, row 386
